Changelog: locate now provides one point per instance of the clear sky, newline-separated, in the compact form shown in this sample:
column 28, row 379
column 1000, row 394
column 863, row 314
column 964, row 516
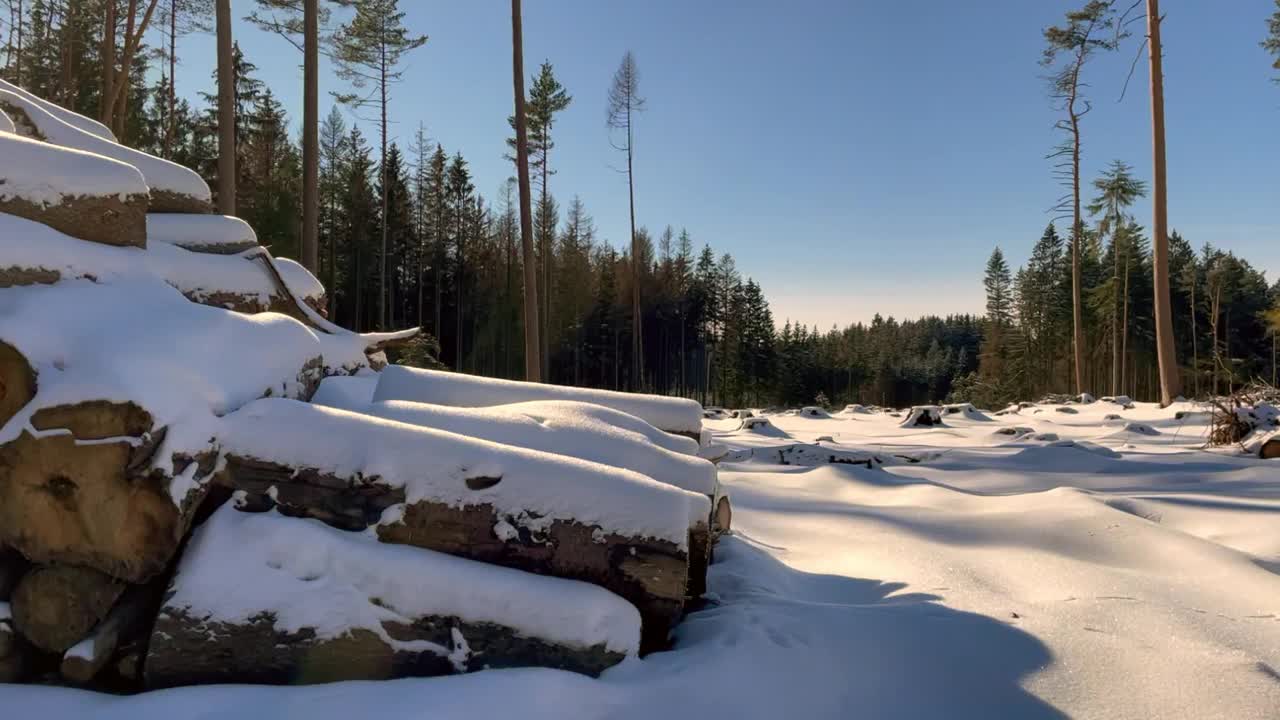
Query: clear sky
column 854, row 156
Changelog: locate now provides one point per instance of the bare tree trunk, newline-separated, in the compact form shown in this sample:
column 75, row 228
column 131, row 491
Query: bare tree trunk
column 532, row 366
column 637, row 342
column 108, row 62
column 226, row 112
column 311, row 136
column 18, row 57
column 1116, row 372
column 1124, row 319
column 114, row 89
column 382, row 271
column 171, row 126
column 1195, row 351
column 1170, row 384
column 1077, row 237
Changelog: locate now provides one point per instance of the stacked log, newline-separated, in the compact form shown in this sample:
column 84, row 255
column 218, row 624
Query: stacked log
column 240, row 610
column 502, row 505
column 95, row 198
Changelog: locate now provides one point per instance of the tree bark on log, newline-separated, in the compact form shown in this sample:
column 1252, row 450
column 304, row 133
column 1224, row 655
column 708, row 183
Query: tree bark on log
column 90, row 504
column 652, row 574
column 128, row 621
column 700, row 539
column 55, row 606
column 102, row 219
column 191, row 651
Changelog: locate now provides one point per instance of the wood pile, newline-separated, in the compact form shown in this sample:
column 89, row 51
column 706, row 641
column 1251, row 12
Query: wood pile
column 169, row 517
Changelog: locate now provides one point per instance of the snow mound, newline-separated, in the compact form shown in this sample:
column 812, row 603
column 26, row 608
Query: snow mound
column 854, row 409
column 445, row 388
column 812, row 411
column 1014, row 431
column 966, row 411
column 201, row 233
column 1123, row 401
column 310, row 576
column 346, row 392
column 1067, row 410
column 1135, row 428
column 161, row 175
column 63, row 173
column 434, row 465
column 763, row 426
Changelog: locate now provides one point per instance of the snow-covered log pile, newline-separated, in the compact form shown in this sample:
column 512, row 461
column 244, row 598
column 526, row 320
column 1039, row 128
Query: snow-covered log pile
column 174, row 509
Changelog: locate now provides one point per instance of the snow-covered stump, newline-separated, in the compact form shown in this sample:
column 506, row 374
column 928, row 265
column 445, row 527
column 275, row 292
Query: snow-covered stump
column 678, row 416
column 264, row 598
column 498, row 504
column 80, row 194
column 923, row 416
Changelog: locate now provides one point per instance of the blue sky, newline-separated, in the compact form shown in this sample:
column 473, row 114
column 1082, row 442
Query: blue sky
column 854, row 156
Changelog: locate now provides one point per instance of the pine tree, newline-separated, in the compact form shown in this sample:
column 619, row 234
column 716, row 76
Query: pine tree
column 368, row 51
column 1272, row 42
column 1117, row 191
column 1087, row 31
column 333, row 162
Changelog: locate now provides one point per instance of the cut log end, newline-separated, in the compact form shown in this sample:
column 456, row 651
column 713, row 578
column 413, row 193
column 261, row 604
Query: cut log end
column 17, row 382
column 55, row 607
column 1270, row 449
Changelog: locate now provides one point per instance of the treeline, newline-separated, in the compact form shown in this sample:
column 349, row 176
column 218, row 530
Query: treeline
column 1226, row 319
column 405, row 238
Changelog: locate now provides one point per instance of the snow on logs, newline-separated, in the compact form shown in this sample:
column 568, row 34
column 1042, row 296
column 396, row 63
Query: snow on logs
column 87, row 124
column 678, row 416
column 264, row 598
column 102, row 465
column 218, row 234
column 574, row 429
column 498, row 504
column 249, row 282
column 174, row 188
column 86, row 196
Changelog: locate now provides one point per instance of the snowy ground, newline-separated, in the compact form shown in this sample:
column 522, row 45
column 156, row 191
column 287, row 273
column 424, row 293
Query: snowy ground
column 1129, row 574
